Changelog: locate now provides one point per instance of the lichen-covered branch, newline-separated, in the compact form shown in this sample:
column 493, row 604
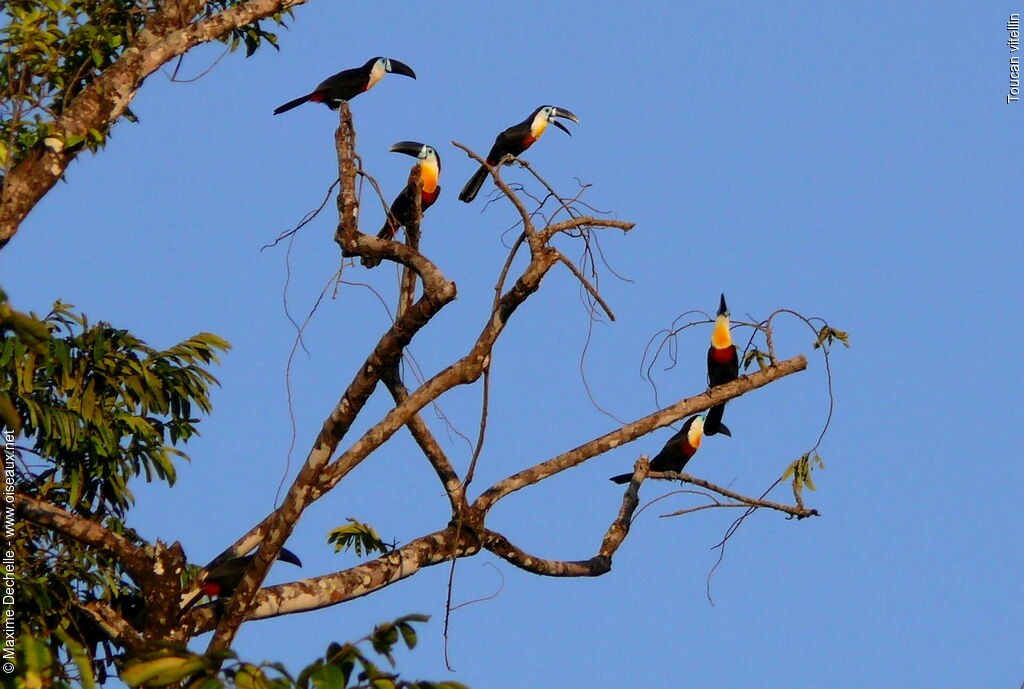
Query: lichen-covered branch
column 339, row 587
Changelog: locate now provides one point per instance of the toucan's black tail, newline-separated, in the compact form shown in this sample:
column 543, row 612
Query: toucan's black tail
column 713, row 423
column 472, row 187
column 622, row 478
column 386, row 232
column 292, row 104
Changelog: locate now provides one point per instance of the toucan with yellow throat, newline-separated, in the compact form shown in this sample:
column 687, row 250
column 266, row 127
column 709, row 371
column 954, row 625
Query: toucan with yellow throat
column 677, row 451
column 514, row 141
column 723, row 366
column 404, row 206
column 349, row 83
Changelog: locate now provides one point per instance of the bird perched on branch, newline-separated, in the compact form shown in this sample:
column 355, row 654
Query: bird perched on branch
column 349, row 83
column 403, row 208
column 222, row 580
column 677, row 451
column 514, row 141
column 723, row 366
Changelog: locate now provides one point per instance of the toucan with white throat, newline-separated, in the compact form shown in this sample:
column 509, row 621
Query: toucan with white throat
column 677, row 451
column 514, row 141
column 349, row 83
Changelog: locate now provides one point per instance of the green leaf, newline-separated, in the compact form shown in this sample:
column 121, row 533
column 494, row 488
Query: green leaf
column 360, row 537
column 328, row 677
column 790, row 470
column 80, row 657
column 408, row 634
column 35, row 655
column 147, row 671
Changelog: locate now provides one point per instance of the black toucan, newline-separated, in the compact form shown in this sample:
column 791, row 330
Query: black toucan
column 349, row 83
column 723, row 366
column 402, row 208
column 677, row 451
column 514, row 141
column 222, row 580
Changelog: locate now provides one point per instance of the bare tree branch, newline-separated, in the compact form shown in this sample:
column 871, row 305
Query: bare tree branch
column 595, row 566
column 640, row 427
column 466, row 534
column 495, row 172
column 583, row 221
column 798, row 511
column 425, row 439
column 311, row 481
column 586, row 284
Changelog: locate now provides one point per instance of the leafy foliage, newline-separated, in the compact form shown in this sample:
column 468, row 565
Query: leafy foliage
column 361, row 537
column 828, row 335
column 801, row 469
column 98, row 407
column 101, row 407
column 754, row 354
column 343, row 666
column 52, row 50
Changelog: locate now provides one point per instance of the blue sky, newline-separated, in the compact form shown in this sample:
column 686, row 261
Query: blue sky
column 858, row 163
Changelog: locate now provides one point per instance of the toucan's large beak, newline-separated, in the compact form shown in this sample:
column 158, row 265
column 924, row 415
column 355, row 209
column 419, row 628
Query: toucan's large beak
column 397, row 67
column 560, row 126
column 288, row 556
column 409, row 148
column 562, row 112
column 722, row 310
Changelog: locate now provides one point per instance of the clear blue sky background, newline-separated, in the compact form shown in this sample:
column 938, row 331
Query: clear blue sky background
column 856, row 162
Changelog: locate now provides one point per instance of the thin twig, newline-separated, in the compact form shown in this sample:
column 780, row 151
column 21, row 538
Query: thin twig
column 586, row 283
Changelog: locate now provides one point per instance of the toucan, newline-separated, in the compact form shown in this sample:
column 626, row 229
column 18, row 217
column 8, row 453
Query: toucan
column 222, row 580
column 677, row 451
column 349, row 83
column 723, row 366
column 514, row 141
column 402, row 208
